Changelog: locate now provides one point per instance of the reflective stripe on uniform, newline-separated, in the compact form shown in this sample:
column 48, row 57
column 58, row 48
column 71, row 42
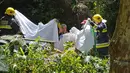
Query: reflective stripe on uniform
column 102, row 45
column 95, row 30
column 95, row 26
column 103, row 31
column 59, row 25
column 6, row 26
column 4, row 22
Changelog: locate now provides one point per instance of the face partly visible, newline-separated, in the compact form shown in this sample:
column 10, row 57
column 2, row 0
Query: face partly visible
column 60, row 30
column 97, row 23
column 64, row 29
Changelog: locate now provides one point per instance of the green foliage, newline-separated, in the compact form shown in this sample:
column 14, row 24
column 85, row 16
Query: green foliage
column 110, row 13
column 41, row 59
column 68, row 45
column 45, row 10
column 35, row 10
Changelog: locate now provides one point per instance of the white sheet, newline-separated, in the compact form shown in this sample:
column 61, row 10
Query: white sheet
column 30, row 30
column 85, row 38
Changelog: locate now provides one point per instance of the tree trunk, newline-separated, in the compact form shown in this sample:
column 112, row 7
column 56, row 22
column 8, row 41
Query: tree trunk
column 120, row 43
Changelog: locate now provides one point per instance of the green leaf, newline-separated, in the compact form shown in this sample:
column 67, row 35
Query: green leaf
column 21, row 50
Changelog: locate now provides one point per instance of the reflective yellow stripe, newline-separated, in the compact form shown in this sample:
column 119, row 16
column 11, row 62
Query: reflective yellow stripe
column 95, row 30
column 104, row 30
column 95, row 26
column 102, row 45
column 4, row 22
column 6, row 26
column 98, row 30
column 59, row 25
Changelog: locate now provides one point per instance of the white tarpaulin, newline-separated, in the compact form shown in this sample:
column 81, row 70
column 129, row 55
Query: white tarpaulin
column 85, row 38
column 30, row 30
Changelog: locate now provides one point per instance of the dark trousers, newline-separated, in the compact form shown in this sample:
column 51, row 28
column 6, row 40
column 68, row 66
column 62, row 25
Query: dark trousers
column 6, row 32
column 103, row 52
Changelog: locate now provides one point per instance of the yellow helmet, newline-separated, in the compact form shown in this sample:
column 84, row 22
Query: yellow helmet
column 10, row 11
column 97, row 18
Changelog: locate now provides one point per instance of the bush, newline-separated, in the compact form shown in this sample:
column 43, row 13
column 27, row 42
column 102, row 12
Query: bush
column 41, row 59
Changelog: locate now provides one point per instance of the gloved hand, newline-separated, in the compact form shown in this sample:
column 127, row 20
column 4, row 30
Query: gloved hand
column 91, row 22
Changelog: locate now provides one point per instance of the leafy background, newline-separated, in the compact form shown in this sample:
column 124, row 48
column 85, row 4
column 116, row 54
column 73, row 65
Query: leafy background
column 65, row 10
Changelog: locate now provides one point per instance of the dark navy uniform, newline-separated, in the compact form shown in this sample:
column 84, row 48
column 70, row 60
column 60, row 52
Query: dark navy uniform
column 8, row 25
column 102, row 39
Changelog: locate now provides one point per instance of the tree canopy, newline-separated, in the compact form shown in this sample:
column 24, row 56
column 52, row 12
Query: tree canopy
column 70, row 12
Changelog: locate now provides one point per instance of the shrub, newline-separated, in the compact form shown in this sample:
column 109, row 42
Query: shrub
column 41, row 59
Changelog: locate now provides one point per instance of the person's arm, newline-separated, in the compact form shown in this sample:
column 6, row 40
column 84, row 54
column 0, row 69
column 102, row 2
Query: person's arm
column 1, row 19
column 14, row 25
column 101, row 26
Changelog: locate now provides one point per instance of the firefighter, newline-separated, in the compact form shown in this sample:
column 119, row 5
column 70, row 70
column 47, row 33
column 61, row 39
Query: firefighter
column 8, row 24
column 102, row 40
